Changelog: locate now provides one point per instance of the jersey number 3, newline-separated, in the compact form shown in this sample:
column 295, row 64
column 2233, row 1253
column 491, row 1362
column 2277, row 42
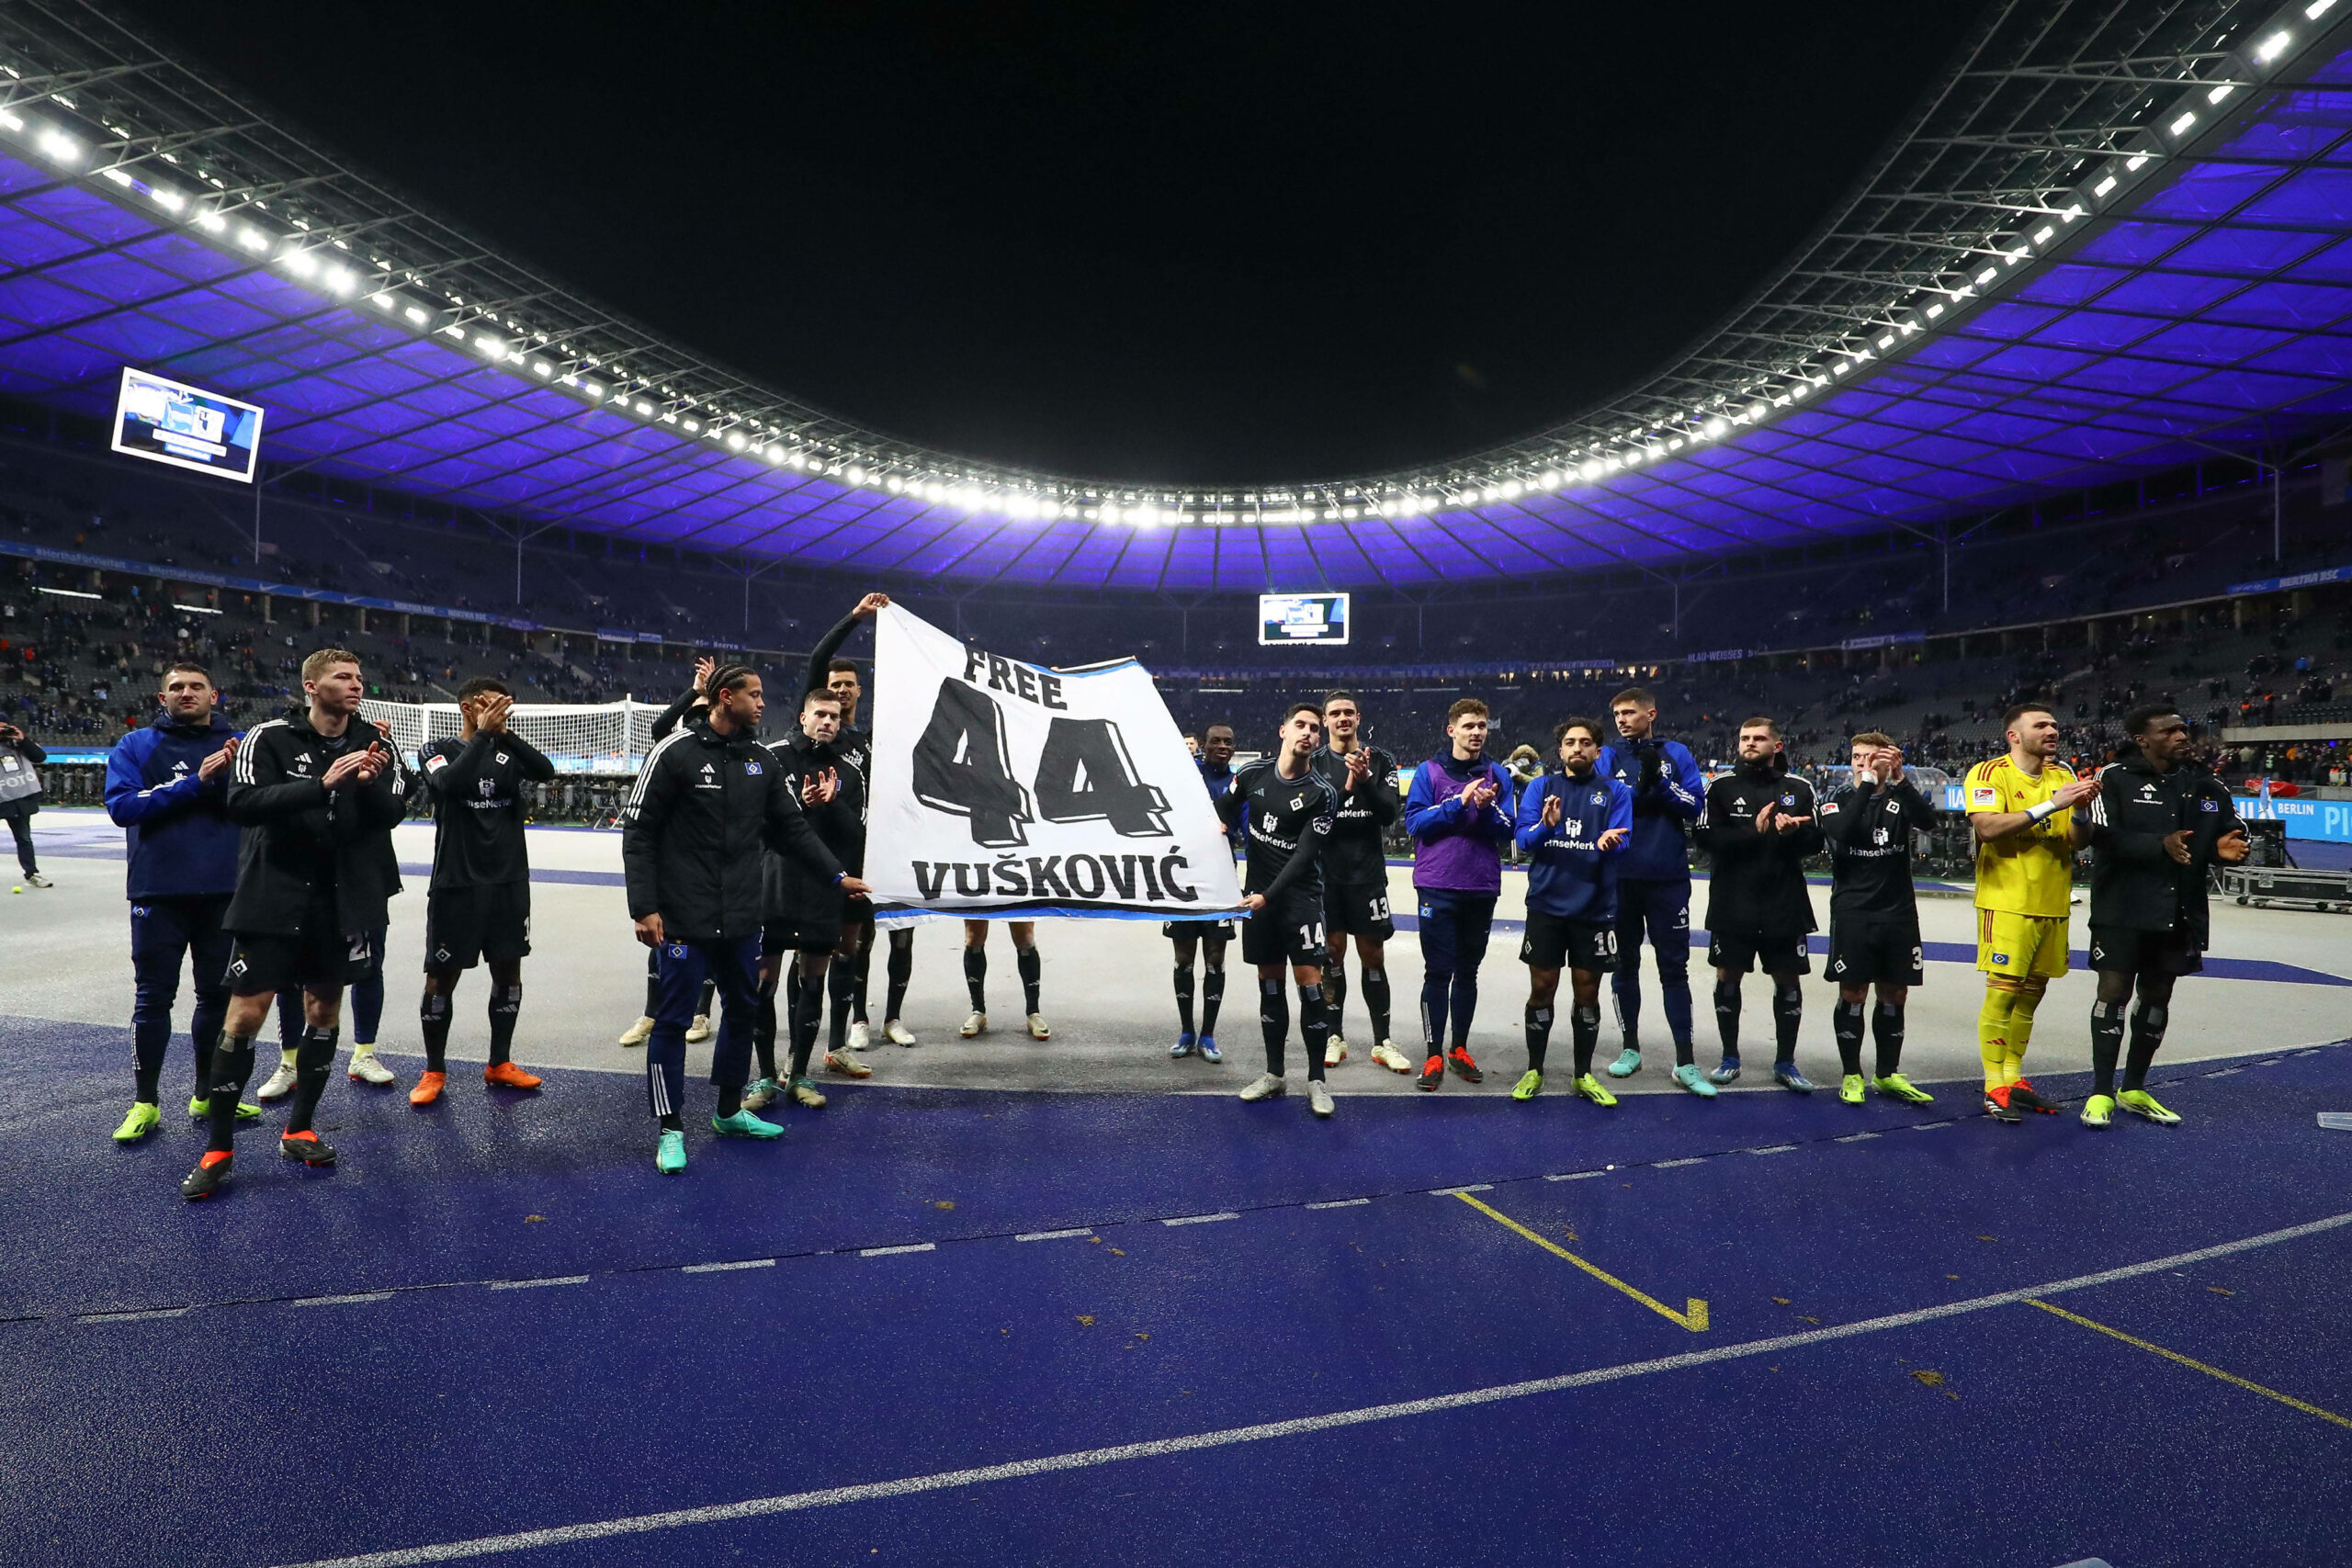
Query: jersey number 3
column 962, row 767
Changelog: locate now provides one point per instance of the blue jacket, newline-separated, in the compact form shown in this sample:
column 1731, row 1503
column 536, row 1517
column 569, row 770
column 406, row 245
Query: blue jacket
column 1456, row 850
column 181, row 841
column 1665, row 802
column 1568, row 873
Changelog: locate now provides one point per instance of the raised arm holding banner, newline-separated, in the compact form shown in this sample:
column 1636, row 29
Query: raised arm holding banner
column 1005, row 790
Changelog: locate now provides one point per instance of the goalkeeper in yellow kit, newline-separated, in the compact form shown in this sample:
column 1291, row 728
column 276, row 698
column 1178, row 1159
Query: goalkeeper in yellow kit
column 2022, row 809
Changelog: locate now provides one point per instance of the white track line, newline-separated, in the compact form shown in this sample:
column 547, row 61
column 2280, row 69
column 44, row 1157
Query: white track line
column 1054, row 1235
column 728, row 1268
column 794, row 1502
column 1200, row 1219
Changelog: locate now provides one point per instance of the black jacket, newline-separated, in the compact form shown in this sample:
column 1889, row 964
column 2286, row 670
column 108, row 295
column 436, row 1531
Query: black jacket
column 299, row 836
column 795, row 888
column 1757, row 880
column 1869, row 828
column 2134, row 885
column 703, row 808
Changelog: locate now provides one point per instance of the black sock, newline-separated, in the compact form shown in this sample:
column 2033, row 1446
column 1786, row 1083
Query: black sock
column 1726, row 1016
column 900, row 968
column 2148, row 1021
column 1313, row 1029
column 1026, row 959
column 730, row 1098
column 233, row 1064
column 841, row 988
column 764, row 1030
column 673, row 1122
column 1584, row 1024
column 313, row 1060
column 1375, row 1001
column 1273, row 1019
column 1184, row 999
column 1846, row 1021
column 1886, row 1032
column 858, row 972
column 147, row 1071
column 1539, row 1036
column 2107, row 1045
column 1335, row 998
column 805, row 1012
column 976, row 977
column 1211, row 991
column 1788, row 1019
column 707, row 999
column 432, row 1021
column 505, row 1006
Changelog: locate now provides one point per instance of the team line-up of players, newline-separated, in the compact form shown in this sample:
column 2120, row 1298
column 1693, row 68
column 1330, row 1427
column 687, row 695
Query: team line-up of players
column 265, row 862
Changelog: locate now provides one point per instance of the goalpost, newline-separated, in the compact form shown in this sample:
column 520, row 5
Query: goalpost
column 578, row 737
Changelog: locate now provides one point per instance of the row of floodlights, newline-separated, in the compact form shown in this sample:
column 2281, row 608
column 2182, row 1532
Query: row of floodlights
column 310, row 261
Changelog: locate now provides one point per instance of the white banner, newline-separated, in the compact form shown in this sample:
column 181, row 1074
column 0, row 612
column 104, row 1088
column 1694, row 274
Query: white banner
column 1009, row 790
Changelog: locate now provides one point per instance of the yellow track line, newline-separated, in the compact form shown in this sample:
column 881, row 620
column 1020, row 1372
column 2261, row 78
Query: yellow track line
column 1694, row 1318
column 2184, row 1360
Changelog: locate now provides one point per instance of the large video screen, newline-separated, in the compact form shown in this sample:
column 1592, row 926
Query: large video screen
column 1302, row 617
column 186, row 426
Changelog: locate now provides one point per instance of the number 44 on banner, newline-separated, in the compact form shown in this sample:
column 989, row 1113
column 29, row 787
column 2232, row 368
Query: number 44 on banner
column 1005, row 789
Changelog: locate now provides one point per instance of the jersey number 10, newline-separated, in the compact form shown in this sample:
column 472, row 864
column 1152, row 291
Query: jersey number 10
column 962, row 768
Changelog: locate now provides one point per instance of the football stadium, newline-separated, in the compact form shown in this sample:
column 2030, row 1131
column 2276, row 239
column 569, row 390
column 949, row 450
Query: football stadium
column 969, row 909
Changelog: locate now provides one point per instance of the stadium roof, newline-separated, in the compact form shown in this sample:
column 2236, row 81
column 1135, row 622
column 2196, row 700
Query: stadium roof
column 2115, row 238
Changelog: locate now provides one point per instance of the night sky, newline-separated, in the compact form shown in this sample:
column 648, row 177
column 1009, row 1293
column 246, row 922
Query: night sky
column 1200, row 243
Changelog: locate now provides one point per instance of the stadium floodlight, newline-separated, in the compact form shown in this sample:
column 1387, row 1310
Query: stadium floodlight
column 2180, row 126
column 252, row 239
column 301, row 263
column 417, row 314
column 735, row 442
column 2318, row 8
column 10, row 121
column 2221, row 91
column 1987, row 276
column 2274, row 46
column 2041, row 236
column 1715, row 427
column 66, row 592
column 61, row 148
column 2132, row 165
column 212, row 222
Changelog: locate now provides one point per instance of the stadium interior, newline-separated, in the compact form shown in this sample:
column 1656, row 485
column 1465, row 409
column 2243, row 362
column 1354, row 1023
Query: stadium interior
column 2041, row 412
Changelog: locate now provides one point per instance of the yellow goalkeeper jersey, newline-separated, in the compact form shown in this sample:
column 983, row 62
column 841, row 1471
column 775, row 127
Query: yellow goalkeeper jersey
column 2029, row 872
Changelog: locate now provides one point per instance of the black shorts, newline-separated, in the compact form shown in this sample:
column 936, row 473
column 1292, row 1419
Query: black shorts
column 465, row 925
column 1864, row 950
column 318, row 957
column 1288, row 932
column 808, row 935
column 1777, row 953
column 1553, row 941
column 1208, row 931
column 1358, row 909
column 2121, row 951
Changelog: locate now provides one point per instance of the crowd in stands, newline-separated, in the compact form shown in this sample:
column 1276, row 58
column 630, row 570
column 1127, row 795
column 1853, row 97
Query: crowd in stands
column 79, row 670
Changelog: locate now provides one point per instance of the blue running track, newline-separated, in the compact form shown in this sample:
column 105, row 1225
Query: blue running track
column 941, row 1328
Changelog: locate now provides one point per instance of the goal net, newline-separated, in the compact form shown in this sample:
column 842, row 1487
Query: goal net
column 578, row 737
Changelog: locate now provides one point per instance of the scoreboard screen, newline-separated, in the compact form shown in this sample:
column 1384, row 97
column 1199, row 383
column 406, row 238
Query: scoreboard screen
column 1302, row 617
column 166, row 422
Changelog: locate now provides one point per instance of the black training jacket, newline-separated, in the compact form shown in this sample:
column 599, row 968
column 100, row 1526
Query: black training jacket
column 705, row 808
column 2134, row 885
column 796, row 889
column 300, row 836
column 1757, row 883
column 1869, row 828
